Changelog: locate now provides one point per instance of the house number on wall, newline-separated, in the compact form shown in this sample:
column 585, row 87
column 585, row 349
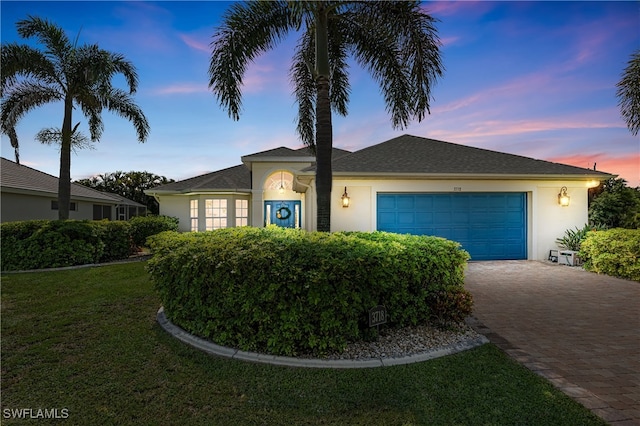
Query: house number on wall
column 377, row 316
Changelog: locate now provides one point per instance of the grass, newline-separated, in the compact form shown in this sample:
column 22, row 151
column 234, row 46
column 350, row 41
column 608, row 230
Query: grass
column 86, row 341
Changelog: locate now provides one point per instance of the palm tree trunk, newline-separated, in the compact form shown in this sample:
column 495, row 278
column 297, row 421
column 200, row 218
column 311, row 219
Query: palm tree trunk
column 324, row 129
column 64, row 180
column 324, row 144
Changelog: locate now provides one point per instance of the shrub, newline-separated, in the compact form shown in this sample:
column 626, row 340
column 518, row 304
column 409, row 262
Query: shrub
column 49, row 244
column 287, row 292
column 614, row 252
column 116, row 237
column 572, row 239
column 143, row 227
column 38, row 244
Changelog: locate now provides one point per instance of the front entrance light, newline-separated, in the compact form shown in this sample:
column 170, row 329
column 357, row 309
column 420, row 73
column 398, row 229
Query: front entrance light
column 345, row 198
column 563, row 198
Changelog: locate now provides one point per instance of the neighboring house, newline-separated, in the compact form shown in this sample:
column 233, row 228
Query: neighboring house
column 497, row 205
column 29, row 194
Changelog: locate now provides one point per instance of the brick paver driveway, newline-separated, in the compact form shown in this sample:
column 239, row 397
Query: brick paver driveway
column 578, row 329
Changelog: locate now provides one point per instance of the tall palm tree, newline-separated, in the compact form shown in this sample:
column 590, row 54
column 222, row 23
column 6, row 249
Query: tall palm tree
column 396, row 41
column 65, row 73
column 629, row 93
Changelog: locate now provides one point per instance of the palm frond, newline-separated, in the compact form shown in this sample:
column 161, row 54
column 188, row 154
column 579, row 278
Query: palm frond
column 50, row 35
column 247, row 30
column 120, row 102
column 376, row 50
column 302, row 80
column 25, row 96
column 24, row 61
column 339, row 88
column 628, row 93
column 53, row 136
column 398, row 43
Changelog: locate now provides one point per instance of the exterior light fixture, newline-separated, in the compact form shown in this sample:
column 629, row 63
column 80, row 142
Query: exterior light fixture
column 345, row 198
column 563, row 198
column 281, row 190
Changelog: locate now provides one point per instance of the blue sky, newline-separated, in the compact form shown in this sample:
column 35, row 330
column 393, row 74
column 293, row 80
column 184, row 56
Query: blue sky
column 528, row 78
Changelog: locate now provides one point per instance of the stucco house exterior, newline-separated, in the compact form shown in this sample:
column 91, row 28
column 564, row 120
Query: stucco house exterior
column 29, row 194
column 497, row 205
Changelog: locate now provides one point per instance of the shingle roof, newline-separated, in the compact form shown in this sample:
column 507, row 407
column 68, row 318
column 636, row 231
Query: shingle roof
column 20, row 177
column 293, row 153
column 237, row 178
column 417, row 155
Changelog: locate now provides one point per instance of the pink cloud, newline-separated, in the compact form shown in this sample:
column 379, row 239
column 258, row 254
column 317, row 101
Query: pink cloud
column 449, row 8
column 448, row 41
column 194, row 43
column 181, row 89
column 626, row 167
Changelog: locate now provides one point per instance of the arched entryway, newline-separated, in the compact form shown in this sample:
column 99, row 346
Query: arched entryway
column 282, row 205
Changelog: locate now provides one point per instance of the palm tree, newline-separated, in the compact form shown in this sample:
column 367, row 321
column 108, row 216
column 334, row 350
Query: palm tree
column 629, row 93
column 64, row 73
column 395, row 41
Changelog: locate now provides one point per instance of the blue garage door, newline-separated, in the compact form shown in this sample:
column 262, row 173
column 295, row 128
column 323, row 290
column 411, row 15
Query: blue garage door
column 490, row 226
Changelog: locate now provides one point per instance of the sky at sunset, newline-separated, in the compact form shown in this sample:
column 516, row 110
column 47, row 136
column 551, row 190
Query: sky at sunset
column 528, row 78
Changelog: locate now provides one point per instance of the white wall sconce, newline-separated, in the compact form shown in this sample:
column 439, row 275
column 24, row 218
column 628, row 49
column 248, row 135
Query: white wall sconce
column 563, row 198
column 346, row 200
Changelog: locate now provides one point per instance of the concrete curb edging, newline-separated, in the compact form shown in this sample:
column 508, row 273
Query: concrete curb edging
column 213, row 349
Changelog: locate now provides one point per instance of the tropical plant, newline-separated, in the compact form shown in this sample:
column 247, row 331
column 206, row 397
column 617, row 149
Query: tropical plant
column 63, row 72
column 629, row 93
column 396, row 41
column 572, row 239
column 130, row 185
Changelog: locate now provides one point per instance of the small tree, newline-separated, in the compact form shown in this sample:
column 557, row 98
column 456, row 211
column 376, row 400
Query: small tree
column 617, row 206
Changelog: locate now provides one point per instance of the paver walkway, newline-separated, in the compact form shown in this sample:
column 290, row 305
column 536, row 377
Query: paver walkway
column 578, row 329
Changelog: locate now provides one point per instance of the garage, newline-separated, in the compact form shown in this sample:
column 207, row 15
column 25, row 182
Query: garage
column 490, row 226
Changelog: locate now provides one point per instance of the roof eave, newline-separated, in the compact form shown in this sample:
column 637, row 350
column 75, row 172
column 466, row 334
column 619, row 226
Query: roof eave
column 465, row 176
column 194, row 191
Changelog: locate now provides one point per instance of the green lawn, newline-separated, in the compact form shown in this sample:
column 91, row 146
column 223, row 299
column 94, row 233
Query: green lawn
column 86, row 341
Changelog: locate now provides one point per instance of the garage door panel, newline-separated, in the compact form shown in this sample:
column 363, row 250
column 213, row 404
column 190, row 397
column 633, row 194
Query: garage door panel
column 405, row 202
column 488, row 225
column 424, row 218
column 386, row 202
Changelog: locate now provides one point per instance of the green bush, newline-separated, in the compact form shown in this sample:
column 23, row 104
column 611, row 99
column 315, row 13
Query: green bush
column 614, row 252
column 287, row 292
column 143, row 227
column 116, row 237
column 38, row 244
column 49, row 244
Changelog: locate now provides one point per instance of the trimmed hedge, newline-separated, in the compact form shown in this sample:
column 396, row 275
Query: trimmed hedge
column 50, row 244
column 614, row 252
column 288, row 292
column 39, row 244
column 143, row 227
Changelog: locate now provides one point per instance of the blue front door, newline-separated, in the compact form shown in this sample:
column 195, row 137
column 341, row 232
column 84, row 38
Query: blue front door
column 283, row 213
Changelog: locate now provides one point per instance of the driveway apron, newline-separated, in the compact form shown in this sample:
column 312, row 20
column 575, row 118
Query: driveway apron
column 579, row 330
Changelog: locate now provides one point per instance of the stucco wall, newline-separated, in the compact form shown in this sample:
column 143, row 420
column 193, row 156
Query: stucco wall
column 546, row 219
column 15, row 207
column 179, row 206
